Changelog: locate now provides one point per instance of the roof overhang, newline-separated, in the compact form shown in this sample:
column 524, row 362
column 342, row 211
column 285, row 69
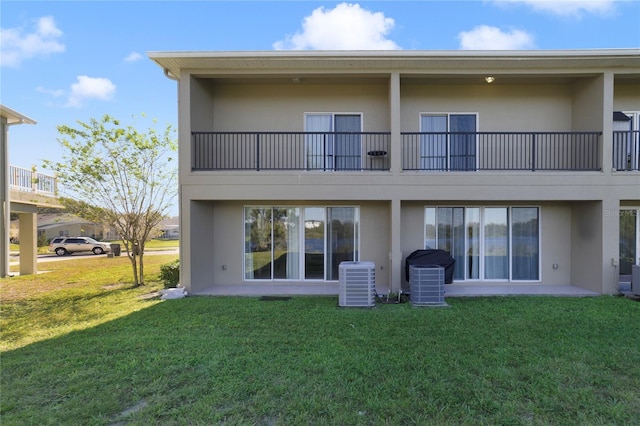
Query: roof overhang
column 407, row 62
column 14, row 117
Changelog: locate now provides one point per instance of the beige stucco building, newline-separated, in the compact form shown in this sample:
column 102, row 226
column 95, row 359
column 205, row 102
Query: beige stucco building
column 523, row 165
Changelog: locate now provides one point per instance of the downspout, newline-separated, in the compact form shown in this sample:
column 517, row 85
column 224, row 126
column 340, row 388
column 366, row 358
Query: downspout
column 170, row 76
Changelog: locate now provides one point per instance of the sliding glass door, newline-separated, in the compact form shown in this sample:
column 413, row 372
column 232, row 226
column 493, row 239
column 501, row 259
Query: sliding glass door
column 448, row 142
column 336, row 142
column 488, row 243
column 314, row 243
column 299, row 243
column 629, row 239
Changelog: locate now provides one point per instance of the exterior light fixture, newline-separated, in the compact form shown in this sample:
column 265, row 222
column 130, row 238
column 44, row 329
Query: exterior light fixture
column 489, row 79
column 296, row 81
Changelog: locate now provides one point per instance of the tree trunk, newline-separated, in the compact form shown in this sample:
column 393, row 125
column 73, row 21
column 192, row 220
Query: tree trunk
column 141, row 270
column 132, row 257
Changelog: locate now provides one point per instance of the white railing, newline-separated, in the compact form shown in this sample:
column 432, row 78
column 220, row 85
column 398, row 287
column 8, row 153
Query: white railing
column 30, row 180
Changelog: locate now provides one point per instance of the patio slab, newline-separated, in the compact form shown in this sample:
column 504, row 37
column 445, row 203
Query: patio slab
column 451, row 290
column 467, row 290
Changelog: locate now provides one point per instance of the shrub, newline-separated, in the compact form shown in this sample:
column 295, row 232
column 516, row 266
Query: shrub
column 170, row 273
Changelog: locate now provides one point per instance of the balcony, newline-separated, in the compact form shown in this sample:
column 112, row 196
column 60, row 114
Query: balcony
column 324, row 151
column 30, row 180
column 626, row 152
column 429, row 152
column 471, row 151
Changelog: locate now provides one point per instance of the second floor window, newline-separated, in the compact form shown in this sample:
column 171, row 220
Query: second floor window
column 337, row 145
column 450, row 143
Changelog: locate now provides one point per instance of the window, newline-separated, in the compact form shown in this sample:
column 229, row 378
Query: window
column 449, row 143
column 299, row 243
column 335, row 143
column 488, row 243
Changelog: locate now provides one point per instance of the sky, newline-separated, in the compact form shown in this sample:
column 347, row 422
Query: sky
column 67, row 61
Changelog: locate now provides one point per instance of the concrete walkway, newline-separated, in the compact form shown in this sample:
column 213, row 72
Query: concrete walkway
column 451, row 290
column 474, row 290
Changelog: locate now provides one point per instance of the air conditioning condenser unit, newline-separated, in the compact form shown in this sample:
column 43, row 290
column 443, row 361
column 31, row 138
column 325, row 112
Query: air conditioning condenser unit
column 357, row 284
column 635, row 279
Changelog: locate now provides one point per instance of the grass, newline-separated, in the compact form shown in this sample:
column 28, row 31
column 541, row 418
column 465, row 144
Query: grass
column 101, row 353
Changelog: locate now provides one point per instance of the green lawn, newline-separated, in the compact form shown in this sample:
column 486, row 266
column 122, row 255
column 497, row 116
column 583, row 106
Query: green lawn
column 96, row 351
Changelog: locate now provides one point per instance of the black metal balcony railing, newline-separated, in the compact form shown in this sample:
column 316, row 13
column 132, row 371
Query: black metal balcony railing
column 446, row 151
column 626, row 150
column 468, row 151
column 332, row 151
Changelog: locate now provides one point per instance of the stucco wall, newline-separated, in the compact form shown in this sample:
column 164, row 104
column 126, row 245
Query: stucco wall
column 217, row 240
column 281, row 107
column 515, row 108
column 555, row 236
column 626, row 96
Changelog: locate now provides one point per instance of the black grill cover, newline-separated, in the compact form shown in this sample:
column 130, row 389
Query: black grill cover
column 432, row 257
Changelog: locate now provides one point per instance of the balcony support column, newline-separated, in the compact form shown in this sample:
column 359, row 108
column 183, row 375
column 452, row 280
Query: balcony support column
column 606, row 142
column 28, row 223
column 4, row 199
column 395, row 251
column 395, row 126
column 395, row 254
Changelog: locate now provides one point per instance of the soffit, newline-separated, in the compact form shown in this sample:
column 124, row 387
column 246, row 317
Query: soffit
column 406, row 62
column 14, row 117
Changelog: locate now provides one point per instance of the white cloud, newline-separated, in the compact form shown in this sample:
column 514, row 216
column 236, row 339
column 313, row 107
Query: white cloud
column 567, row 7
column 133, row 57
column 56, row 93
column 485, row 37
column 90, row 88
column 346, row 27
column 17, row 46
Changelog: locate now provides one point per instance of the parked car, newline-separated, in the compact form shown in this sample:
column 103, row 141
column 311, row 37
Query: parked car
column 69, row 245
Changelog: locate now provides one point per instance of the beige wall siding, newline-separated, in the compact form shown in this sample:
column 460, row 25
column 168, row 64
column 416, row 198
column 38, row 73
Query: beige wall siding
column 281, row 107
column 588, row 105
column 507, row 108
column 205, row 244
column 201, row 101
column 626, row 96
column 586, row 243
column 555, row 235
column 217, row 236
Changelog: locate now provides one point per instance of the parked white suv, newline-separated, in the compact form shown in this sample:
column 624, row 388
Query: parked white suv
column 69, row 245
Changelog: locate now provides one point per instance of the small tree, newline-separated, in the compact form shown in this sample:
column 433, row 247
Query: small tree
column 121, row 177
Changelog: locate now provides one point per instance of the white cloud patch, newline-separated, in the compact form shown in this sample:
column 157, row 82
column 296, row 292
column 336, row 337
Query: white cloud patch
column 56, row 93
column 16, row 45
column 345, row 27
column 133, row 57
column 485, row 37
column 567, row 7
column 90, row 88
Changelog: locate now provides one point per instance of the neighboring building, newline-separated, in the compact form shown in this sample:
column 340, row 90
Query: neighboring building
column 523, row 165
column 22, row 191
column 68, row 225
